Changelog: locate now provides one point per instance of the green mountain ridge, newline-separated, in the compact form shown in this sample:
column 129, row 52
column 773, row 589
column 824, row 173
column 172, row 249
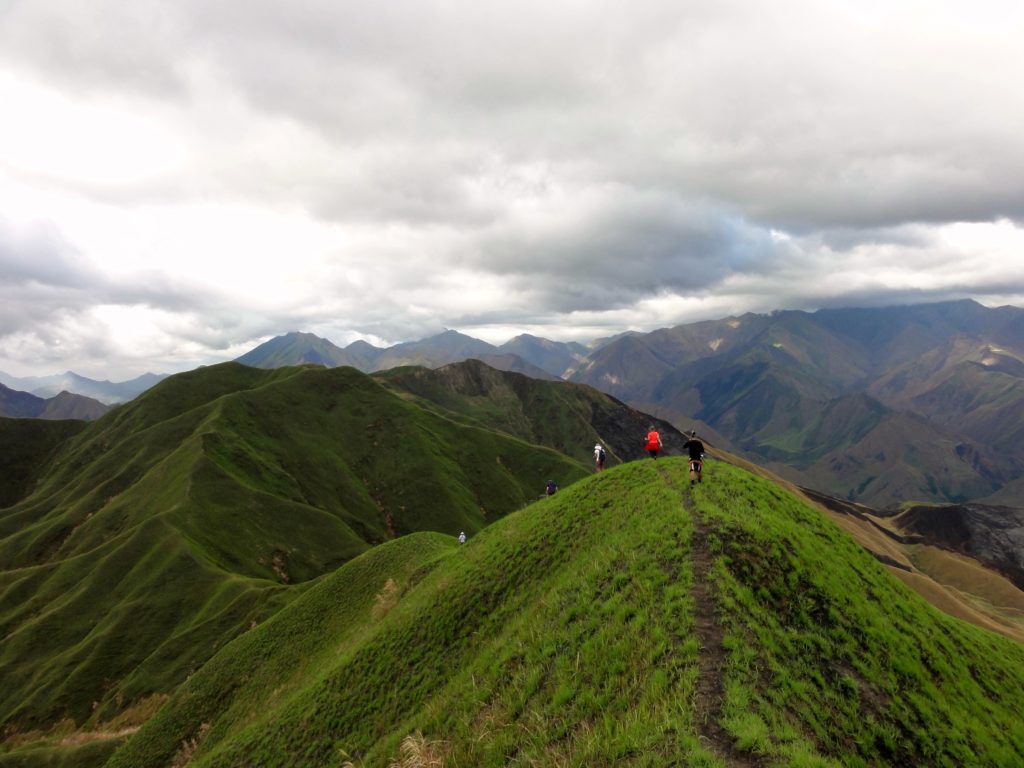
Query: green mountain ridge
column 194, row 503
column 629, row 620
column 571, row 418
column 257, row 567
column 754, row 381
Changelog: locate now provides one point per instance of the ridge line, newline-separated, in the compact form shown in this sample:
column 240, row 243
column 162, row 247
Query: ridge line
column 709, row 686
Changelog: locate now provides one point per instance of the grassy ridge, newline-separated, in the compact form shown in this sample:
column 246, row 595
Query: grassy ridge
column 166, row 528
column 569, row 418
column 830, row 655
column 628, row 620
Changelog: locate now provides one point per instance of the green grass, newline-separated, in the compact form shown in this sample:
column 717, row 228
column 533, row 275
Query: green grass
column 561, row 630
column 268, row 550
column 157, row 533
column 81, row 756
column 829, row 653
column 564, row 635
column 570, row 418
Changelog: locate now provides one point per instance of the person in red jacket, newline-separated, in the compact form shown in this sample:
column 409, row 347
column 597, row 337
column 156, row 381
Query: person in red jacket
column 653, row 444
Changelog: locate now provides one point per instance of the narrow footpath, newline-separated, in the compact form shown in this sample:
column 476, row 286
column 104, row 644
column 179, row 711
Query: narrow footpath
column 709, row 689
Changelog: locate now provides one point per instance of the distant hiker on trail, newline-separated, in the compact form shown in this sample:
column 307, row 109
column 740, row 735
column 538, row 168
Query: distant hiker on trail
column 653, row 444
column 599, row 457
column 551, row 489
column 695, row 449
column 462, row 538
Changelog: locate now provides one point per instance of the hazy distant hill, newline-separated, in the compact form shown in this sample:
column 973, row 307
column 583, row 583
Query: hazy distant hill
column 108, row 392
column 993, row 535
column 64, row 405
column 432, row 352
column 435, row 351
column 552, row 356
column 362, row 355
column 295, row 349
column 943, row 420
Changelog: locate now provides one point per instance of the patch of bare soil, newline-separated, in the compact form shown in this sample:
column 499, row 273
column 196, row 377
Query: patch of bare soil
column 280, row 566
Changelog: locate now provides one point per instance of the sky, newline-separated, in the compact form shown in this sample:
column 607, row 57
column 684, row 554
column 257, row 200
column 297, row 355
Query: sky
column 180, row 181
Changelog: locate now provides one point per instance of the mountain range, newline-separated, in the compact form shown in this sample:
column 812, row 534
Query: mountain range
column 881, row 406
column 251, row 566
column 107, row 392
column 875, row 405
column 64, row 405
column 530, row 355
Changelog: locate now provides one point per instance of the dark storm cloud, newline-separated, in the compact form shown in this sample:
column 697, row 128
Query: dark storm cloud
column 625, row 247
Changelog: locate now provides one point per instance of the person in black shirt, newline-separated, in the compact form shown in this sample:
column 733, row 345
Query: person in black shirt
column 695, row 450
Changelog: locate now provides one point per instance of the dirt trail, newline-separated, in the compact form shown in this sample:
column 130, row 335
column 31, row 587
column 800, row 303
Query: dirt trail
column 709, row 694
column 709, row 690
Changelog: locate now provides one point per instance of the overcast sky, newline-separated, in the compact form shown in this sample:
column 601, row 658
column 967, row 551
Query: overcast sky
column 182, row 180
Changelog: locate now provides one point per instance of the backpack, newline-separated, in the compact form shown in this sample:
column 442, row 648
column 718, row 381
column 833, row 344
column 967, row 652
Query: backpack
column 600, row 454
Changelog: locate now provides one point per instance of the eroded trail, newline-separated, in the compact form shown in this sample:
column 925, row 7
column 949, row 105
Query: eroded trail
column 709, row 694
column 709, row 689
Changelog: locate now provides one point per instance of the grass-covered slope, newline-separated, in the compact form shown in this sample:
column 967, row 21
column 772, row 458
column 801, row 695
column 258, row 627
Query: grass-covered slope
column 629, row 620
column 26, row 448
column 164, row 529
column 571, row 418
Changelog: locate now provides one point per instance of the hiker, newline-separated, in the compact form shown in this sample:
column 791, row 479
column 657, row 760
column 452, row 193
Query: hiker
column 462, row 538
column 551, row 489
column 695, row 449
column 599, row 457
column 653, row 444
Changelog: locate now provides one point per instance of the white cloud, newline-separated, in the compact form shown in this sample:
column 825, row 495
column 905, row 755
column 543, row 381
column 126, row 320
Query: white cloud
column 213, row 173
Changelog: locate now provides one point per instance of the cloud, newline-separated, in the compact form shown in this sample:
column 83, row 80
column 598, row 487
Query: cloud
column 611, row 247
column 797, row 115
column 210, row 173
column 39, row 256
